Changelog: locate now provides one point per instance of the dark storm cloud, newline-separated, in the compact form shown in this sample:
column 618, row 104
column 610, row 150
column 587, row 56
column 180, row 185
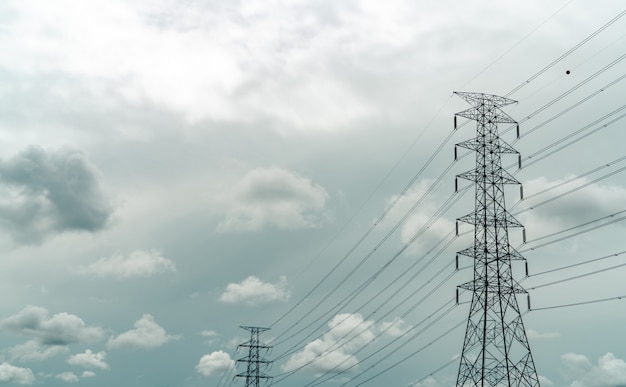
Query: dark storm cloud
column 51, row 191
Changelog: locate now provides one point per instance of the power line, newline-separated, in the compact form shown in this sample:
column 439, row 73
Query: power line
column 597, row 129
column 580, row 303
column 577, row 264
column 577, row 276
column 570, row 108
column 516, row 44
column 575, row 189
column 411, row 309
column 380, row 218
column 567, row 53
column 410, row 355
column 387, row 236
column 614, row 220
column 442, row 209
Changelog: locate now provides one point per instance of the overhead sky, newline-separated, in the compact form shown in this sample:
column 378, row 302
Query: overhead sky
column 171, row 170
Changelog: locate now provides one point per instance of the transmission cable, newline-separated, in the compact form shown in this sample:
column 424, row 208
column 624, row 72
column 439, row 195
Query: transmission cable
column 411, row 309
column 571, row 180
column 446, row 205
column 380, row 218
column 576, row 277
column 571, row 107
column 577, row 264
column 447, row 332
column 575, row 189
column 614, row 220
column 412, row 182
column 516, row 44
column 579, row 303
column 576, row 47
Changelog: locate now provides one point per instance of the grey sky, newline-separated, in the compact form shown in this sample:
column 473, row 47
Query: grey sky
column 172, row 170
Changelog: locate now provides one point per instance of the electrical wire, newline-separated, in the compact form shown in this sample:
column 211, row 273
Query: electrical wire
column 387, row 236
column 577, row 264
column 567, row 110
column 411, row 354
column 452, row 361
column 567, row 53
column 580, row 303
column 308, row 294
column 595, row 130
column 576, row 277
column 575, row 189
column 516, row 44
column 444, row 207
column 367, row 200
column 614, row 220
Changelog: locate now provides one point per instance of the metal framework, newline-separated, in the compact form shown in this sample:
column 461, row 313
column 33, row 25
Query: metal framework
column 495, row 349
column 254, row 361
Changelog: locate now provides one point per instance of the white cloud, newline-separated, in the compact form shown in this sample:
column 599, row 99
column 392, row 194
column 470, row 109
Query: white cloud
column 533, row 334
column 394, row 328
column 89, row 359
column 209, row 333
column 34, row 351
column 254, row 291
column 147, row 334
column 138, row 264
column 216, row 362
column 271, row 197
column 60, row 329
column 333, row 351
column 68, row 377
column 88, row 374
column 430, row 232
column 609, row 372
column 18, row 375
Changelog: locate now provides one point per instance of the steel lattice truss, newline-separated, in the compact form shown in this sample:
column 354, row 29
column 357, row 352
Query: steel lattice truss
column 495, row 349
column 254, row 361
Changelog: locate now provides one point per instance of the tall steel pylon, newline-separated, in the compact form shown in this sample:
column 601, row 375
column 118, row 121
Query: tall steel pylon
column 254, row 361
column 495, row 349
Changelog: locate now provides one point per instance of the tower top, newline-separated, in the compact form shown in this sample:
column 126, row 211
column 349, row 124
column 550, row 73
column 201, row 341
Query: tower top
column 476, row 98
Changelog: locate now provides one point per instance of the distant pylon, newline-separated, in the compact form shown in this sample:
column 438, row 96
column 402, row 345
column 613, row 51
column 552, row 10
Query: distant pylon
column 495, row 349
column 254, row 361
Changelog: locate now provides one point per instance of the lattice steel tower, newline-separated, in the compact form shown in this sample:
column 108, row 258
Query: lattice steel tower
column 255, row 362
column 495, row 349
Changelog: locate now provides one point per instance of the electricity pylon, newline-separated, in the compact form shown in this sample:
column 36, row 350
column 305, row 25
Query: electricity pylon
column 255, row 362
column 495, row 349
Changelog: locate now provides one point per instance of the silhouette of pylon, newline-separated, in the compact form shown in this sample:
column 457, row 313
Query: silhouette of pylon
column 255, row 363
column 495, row 348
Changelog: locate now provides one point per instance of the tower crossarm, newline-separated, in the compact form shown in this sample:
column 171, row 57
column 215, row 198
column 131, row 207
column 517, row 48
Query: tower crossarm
column 511, row 254
column 492, row 287
column 475, row 175
column 478, row 219
column 477, row 99
column 497, row 144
